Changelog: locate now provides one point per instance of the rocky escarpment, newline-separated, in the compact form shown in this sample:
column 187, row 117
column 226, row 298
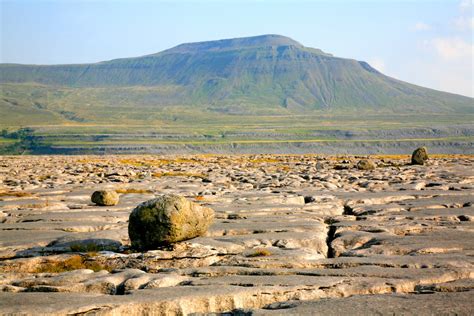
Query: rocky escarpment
column 292, row 234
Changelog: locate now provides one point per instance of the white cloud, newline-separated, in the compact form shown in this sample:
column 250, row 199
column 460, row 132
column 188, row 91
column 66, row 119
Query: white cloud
column 378, row 64
column 437, row 73
column 453, row 48
column 466, row 4
column 447, row 62
column 420, row 26
column 464, row 23
column 465, row 20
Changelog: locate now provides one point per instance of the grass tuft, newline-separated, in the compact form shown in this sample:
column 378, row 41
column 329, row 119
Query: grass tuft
column 91, row 248
column 75, row 262
column 178, row 174
column 15, row 193
column 260, row 252
column 264, row 160
column 132, row 191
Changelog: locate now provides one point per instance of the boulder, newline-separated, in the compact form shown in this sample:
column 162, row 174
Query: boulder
column 366, row 164
column 105, row 198
column 166, row 220
column 419, row 156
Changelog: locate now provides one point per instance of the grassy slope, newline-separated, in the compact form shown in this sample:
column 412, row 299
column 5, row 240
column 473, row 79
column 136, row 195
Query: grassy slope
column 245, row 76
column 255, row 89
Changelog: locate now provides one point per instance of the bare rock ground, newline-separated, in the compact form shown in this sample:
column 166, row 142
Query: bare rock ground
column 292, row 235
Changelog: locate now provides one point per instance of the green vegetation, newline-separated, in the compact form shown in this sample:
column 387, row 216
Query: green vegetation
column 91, row 247
column 178, row 174
column 18, row 141
column 133, row 191
column 260, row 252
column 15, row 193
column 244, row 130
column 267, row 75
column 252, row 90
column 74, row 262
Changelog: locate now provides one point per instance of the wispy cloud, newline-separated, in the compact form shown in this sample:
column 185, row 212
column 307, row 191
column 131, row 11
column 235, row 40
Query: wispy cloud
column 466, row 4
column 451, row 51
column 465, row 20
column 452, row 48
column 421, row 26
column 464, row 23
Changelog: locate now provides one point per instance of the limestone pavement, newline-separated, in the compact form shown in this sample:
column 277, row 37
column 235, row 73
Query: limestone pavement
column 301, row 234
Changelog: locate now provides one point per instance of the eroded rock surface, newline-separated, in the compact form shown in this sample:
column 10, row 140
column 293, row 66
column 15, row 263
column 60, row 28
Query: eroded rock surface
column 291, row 235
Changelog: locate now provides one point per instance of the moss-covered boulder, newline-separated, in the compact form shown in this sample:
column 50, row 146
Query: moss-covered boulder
column 366, row 164
column 419, row 156
column 105, row 198
column 166, row 220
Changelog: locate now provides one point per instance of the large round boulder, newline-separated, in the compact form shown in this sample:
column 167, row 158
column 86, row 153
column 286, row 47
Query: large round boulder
column 419, row 156
column 105, row 198
column 166, row 220
column 366, row 164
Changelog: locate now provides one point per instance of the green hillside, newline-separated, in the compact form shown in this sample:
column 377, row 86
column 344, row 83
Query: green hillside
column 239, row 95
column 270, row 74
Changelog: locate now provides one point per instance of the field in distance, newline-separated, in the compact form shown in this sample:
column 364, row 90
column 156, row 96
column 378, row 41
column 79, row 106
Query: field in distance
column 207, row 132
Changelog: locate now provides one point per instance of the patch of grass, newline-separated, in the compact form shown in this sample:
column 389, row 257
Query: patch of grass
column 264, row 160
column 15, row 193
column 178, row 174
column 91, row 248
column 133, row 162
column 34, row 205
column 90, row 160
column 283, row 168
column 153, row 162
column 7, row 141
column 131, row 190
column 260, row 252
column 393, row 157
column 37, row 205
column 75, row 262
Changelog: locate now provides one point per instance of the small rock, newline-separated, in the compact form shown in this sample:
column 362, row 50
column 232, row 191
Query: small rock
column 330, row 186
column 342, row 167
column 419, row 156
column 76, row 206
column 236, row 216
column 165, row 220
column 366, row 164
column 105, row 198
column 280, row 305
column 309, row 199
column 418, row 186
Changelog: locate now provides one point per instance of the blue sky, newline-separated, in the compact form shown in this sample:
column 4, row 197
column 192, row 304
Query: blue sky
column 429, row 43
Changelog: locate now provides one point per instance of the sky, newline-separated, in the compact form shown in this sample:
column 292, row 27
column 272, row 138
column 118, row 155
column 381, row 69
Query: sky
column 425, row 42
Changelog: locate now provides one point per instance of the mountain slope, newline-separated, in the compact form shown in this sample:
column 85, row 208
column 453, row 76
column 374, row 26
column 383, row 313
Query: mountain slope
column 269, row 71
